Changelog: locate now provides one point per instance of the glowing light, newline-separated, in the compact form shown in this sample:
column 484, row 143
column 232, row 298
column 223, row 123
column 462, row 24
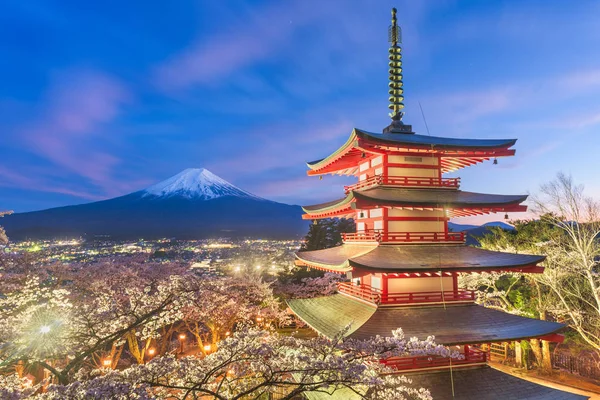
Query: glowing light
column 207, row 347
column 258, row 267
column 237, row 269
column 44, row 329
column 182, row 336
column 259, row 319
column 107, row 362
column 151, row 351
column 227, row 333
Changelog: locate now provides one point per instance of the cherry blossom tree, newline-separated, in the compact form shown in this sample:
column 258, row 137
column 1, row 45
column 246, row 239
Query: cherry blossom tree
column 219, row 304
column 3, row 237
column 255, row 363
column 324, row 285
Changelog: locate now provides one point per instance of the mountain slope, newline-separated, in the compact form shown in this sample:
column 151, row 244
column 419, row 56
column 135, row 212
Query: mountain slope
column 192, row 204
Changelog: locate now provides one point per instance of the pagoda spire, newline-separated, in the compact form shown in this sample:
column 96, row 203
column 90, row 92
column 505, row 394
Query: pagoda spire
column 396, row 89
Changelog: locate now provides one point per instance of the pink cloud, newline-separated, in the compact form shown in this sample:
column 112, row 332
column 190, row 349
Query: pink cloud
column 253, row 37
column 77, row 106
column 10, row 178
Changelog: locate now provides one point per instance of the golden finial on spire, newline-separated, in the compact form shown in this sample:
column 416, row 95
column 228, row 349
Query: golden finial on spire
column 395, row 56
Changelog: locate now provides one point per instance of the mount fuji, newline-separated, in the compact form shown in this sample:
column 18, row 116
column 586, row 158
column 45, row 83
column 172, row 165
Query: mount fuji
column 193, row 204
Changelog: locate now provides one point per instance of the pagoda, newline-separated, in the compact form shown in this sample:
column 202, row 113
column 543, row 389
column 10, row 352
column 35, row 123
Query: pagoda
column 403, row 262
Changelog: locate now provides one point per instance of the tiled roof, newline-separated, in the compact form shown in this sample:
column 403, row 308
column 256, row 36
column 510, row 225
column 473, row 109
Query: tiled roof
column 481, row 383
column 328, row 315
column 435, row 141
column 399, row 197
column 454, row 324
column 485, row 383
column 407, row 258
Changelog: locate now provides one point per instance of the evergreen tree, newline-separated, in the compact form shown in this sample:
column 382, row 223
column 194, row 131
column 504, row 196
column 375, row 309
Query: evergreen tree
column 326, row 233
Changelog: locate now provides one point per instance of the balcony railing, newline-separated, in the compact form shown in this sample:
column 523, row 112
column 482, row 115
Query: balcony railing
column 405, row 237
column 472, row 356
column 452, row 183
column 377, row 296
column 364, row 292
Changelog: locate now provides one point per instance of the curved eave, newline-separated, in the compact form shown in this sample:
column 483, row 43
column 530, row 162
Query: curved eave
column 335, row 208
column 433, row 198
column 456, row 153
column 417, row 259
column 435, row 142
column 456, row 202
column 456, row 324
column 348, row 146
column 451, row 325
column 335, row 259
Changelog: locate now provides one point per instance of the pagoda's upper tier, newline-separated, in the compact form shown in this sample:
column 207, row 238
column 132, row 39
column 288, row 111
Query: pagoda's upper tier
column 456, row 202
column 455, row 153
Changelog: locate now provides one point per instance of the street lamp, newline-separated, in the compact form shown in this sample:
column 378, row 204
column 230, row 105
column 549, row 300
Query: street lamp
column 107, row 362
column 181, row 339
column 151, row 351
column 207, row 348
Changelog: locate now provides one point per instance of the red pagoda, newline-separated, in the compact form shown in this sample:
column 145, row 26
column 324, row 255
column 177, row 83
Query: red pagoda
column 403, row 262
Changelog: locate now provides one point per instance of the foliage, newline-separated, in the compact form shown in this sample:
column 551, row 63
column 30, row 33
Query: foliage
column 567, row 233
column 78, row 314
column 323, row 284
column 3, row 237
column 254, row 363
column 572, row 271
column 326, row 233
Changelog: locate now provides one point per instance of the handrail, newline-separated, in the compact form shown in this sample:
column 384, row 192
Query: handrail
column 472, row 356
column 453, row 183
column 377, row 296
column 405, row 237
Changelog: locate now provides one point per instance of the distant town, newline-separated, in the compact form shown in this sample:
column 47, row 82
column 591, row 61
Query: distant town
column 215, row 255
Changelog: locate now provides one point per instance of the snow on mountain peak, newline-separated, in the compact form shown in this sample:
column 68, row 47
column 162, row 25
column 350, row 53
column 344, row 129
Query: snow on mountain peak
column 196, row 183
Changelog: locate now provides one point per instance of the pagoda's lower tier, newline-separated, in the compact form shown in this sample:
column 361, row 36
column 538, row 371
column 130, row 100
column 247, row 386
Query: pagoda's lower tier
column 485, row 383
column 416, row 259
column 478, row 383
column 454, row 324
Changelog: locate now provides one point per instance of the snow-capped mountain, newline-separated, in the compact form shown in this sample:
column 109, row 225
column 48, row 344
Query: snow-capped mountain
column 196, row 183
column 193, row 204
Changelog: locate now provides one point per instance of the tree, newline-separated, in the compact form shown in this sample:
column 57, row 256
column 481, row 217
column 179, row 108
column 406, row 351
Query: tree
column 326, row 233
column 255, row 363
column 3, row 237
column 572, row 271
column 324, row 285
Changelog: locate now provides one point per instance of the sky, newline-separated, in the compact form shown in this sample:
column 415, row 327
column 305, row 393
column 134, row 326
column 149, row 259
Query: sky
column 100, row 99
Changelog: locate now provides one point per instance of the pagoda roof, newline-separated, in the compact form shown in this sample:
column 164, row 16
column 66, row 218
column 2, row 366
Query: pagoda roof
column 471, row 151
column 414, row 258
column 478, row 383
column 484, row 383
column 451, row 325
column 416, row 198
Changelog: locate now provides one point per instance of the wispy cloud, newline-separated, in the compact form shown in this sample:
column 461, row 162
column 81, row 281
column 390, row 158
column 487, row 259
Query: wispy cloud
column 76, row 107
column 213, row 58
column 11, row 178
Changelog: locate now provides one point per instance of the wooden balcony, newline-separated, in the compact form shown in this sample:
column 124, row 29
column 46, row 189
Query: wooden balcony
column 472, row 356
column 377, row 296
column 408, row 181
column 405, row 237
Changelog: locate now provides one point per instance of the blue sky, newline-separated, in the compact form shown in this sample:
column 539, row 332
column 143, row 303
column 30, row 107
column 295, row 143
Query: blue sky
column 102, row 99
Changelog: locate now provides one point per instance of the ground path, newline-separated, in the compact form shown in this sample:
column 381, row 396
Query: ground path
column 593, row 391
